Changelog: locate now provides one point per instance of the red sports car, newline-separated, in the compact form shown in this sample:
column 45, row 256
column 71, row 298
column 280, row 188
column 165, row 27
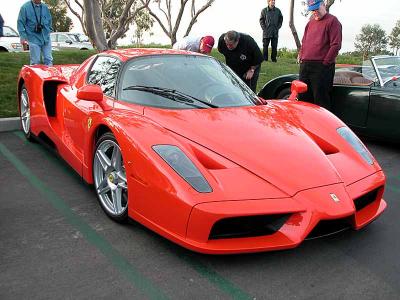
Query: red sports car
column 176, row 141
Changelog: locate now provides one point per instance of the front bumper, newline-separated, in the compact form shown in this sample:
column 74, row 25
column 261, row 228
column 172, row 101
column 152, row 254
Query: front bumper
column 306, row 209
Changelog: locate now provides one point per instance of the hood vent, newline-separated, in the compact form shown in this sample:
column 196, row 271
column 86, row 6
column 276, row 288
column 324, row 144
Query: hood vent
column 325, row 146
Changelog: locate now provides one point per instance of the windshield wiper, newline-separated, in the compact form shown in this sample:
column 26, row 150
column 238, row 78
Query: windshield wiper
column 170, row 94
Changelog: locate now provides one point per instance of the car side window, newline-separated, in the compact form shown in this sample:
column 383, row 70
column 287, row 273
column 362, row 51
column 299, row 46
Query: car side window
column 62, row 38
column 110, row 79
column 7, row 31
column 53, row 37
column 104, row 73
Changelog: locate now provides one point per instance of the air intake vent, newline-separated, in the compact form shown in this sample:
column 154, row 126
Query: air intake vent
column 329, row 227
column 249, row 226
column 366, row 199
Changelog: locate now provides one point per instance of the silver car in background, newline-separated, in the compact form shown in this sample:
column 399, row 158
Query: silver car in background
column 10, row 41
column 68, row 41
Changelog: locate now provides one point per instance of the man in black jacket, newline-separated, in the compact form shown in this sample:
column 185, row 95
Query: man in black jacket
column 242, row 55
column 271, row 21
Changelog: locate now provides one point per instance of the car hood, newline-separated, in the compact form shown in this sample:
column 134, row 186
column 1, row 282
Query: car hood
column 265, row 140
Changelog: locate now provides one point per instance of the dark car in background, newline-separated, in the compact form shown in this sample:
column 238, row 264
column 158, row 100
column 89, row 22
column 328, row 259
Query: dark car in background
column 366, row 97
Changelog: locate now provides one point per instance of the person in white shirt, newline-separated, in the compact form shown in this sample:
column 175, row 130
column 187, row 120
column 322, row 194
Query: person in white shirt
column 202, row 45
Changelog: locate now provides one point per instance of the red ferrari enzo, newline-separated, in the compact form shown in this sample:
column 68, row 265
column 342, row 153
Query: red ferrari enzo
column 176, row 141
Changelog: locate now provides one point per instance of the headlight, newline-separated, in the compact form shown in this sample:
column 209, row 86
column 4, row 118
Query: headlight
column 355, row 142
column 182, row 165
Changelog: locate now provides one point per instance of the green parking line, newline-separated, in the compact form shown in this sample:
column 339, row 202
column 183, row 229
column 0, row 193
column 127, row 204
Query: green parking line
column 393, row 188
column 212, row 276
column 123, row 265
column 219, row 281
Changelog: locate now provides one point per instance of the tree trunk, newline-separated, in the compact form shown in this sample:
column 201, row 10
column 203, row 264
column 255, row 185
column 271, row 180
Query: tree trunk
column 94, row 24
column 329, row 3
column 293, row 28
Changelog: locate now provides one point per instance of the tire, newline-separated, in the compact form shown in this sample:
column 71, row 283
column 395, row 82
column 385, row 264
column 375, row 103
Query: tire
column 25, row 113
column 109, row 178
column 284, row 94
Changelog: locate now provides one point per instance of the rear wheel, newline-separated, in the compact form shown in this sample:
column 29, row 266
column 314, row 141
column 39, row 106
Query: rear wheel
column 110, row 178
column 25, row 113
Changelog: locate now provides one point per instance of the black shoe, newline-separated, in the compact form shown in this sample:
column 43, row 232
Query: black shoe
column 274, row 60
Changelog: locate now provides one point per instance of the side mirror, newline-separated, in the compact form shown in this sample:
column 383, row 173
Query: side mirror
column 297, row 87
column 68, row 42
column 90, row 92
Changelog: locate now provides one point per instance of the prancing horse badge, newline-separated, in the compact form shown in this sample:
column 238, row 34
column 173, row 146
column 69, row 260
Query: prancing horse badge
column 335, row 198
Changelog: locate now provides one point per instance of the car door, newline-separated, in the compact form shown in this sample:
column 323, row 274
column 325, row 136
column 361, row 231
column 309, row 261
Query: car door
column 351, row 104
column 77, row 112
column 64, row 42
column 384, row 112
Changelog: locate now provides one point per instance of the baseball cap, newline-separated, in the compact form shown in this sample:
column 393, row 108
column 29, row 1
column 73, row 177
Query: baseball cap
column 313, row 4
column 206, row 44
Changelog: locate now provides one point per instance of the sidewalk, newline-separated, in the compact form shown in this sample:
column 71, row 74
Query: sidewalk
column 9, row 124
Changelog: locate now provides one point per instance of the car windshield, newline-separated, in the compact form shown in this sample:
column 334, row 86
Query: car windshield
column 387, row 68
column 74, row 37
column 182, row 82
column 81, row 37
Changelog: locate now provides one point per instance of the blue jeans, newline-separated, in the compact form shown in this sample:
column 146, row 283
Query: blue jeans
column 35, row 52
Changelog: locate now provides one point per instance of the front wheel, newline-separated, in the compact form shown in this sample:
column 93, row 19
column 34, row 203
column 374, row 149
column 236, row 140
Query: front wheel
column 110, row 178
column 284, row 94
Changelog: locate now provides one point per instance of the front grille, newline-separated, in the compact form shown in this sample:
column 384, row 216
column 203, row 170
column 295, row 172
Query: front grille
column 249, row 226
column 328, row 227
column 366, row 199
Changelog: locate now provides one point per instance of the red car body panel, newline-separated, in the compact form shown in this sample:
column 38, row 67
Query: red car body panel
column 284, row 157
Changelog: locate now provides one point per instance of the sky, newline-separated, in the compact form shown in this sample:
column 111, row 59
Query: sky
column 243, row 16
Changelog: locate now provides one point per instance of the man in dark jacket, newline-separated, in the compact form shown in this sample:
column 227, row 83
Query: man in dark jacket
column 321, row 43
column 271, row 21
column 242, row 55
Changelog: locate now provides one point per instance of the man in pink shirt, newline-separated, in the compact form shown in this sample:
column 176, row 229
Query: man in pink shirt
column 321, row 43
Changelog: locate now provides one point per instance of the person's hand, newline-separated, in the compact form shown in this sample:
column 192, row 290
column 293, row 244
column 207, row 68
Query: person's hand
column 249, row 74
column 23, row 41
column 298, row 59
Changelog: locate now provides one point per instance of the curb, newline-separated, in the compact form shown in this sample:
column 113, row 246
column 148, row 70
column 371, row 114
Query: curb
column 10, row 124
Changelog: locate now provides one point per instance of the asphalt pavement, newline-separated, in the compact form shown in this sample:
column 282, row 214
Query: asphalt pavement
column 56, row 243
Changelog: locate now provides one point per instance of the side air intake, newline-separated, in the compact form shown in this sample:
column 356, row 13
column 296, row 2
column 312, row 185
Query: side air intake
column 249, row 226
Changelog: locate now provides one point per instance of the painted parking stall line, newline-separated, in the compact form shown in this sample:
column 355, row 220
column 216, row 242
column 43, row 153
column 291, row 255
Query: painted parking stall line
column 124, row 266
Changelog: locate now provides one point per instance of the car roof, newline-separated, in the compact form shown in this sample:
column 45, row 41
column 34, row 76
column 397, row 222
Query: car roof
column 126, row 54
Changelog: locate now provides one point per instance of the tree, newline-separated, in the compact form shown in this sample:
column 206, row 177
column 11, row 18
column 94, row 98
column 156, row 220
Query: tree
column 371, row 40
column 81, row 15
column 58, row 11
column 394, row 38
column 113, row 9
column 143, row 23
column 292, row 27
column 163, row 14
column 105, row 21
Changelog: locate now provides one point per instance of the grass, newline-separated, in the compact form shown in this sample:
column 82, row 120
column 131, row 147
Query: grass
column 11, row 63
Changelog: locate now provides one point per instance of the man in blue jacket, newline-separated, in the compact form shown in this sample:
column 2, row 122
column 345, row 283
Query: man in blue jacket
column 34, row 26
